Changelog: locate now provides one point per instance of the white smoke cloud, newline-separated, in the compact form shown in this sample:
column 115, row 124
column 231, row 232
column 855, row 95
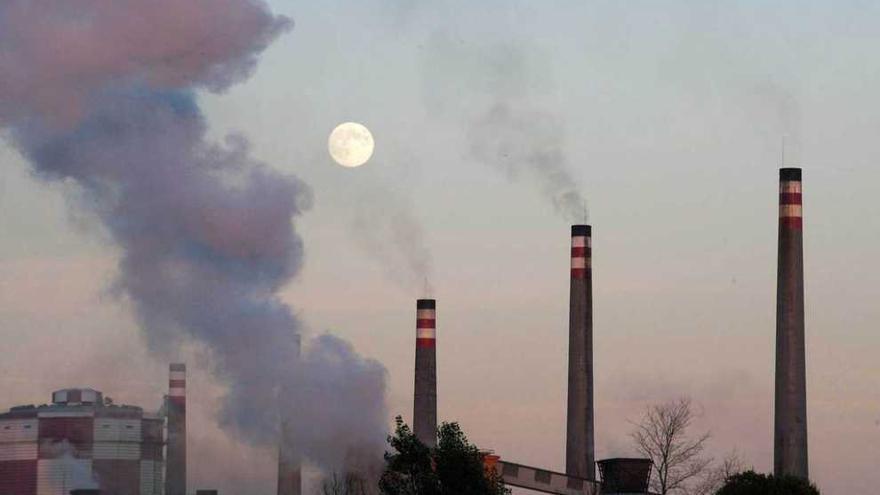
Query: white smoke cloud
column 206, row 232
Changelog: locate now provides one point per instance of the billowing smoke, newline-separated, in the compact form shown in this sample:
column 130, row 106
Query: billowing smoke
column 101, row 94
column 386, row 229
column 56, row 55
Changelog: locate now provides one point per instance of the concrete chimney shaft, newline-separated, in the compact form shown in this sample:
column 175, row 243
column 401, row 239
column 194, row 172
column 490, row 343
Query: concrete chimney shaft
column 289, row 464
column 289, row 459
column 175, row 462
column 425, row 396
column 579, row 440
column 790, row 411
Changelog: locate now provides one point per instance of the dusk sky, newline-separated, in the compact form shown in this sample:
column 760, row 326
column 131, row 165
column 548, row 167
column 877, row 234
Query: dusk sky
column 669, row 118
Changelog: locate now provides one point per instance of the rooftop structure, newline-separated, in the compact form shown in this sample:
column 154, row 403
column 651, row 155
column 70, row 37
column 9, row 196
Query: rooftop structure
column 79, row 441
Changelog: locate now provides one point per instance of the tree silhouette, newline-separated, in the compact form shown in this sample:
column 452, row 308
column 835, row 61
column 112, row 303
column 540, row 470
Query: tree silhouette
column 454, row 467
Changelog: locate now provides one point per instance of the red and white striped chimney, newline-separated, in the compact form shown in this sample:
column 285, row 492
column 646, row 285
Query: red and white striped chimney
column 175, row 462
column 579, row 440
column 425, row 396
column 790, row 408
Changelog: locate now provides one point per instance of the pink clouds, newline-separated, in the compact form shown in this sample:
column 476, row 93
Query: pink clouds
column 55, row 53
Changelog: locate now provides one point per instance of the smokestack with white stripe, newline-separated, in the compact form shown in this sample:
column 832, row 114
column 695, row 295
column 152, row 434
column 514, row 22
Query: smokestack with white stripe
column 790, row 421
column 425, row 396
column 579, row 439
column 175, row 467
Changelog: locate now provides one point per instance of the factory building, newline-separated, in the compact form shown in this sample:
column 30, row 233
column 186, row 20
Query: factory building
column 80, row 441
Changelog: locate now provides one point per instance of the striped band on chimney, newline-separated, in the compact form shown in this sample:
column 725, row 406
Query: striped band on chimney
column 425, row 390
column 426, row 324
column 177, row 382
column 581, row 251
column 790, row 200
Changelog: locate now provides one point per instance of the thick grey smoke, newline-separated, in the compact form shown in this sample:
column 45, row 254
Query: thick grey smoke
column 386, row 229
column 205, row 231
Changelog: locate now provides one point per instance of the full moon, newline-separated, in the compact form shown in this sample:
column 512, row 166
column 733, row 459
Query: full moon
column 350, row 144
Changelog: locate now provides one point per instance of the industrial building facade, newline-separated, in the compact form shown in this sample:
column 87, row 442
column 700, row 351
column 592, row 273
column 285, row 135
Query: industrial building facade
column 77, row 442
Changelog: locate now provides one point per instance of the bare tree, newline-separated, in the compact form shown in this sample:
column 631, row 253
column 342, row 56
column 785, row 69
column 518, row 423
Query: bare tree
column 716, row 476
column 662, row 435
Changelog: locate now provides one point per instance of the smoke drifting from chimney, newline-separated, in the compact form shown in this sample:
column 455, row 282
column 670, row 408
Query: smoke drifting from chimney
column 519, row 141
column 499, row 88
column 386, row 229
column 205, row 231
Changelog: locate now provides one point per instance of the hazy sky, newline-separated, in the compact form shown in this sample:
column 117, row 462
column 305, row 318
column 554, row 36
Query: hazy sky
column 669, row 117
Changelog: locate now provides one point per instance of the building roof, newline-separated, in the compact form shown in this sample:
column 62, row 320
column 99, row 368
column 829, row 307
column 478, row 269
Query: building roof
column 76, row 402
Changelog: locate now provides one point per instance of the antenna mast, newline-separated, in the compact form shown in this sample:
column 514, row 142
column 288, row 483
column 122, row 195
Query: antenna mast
column 783, row 151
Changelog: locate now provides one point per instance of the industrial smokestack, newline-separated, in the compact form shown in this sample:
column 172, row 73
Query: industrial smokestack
column 790, row 421
column 289, row 465
column 175, row 470
column 579, row 440
column 425, row 403
column 289, row 458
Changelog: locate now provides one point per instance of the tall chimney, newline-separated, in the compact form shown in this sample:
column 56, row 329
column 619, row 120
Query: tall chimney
column 425, row 403
column 289, row 460
column 790, row 421
column 175, row 462
column 289, row 465
column 579, row 449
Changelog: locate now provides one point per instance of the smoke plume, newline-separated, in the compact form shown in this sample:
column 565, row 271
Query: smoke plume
column 496, row 88
column 517, row 142
column 102, row 94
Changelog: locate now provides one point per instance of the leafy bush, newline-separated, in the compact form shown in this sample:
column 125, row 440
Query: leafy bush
column 752, row 483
